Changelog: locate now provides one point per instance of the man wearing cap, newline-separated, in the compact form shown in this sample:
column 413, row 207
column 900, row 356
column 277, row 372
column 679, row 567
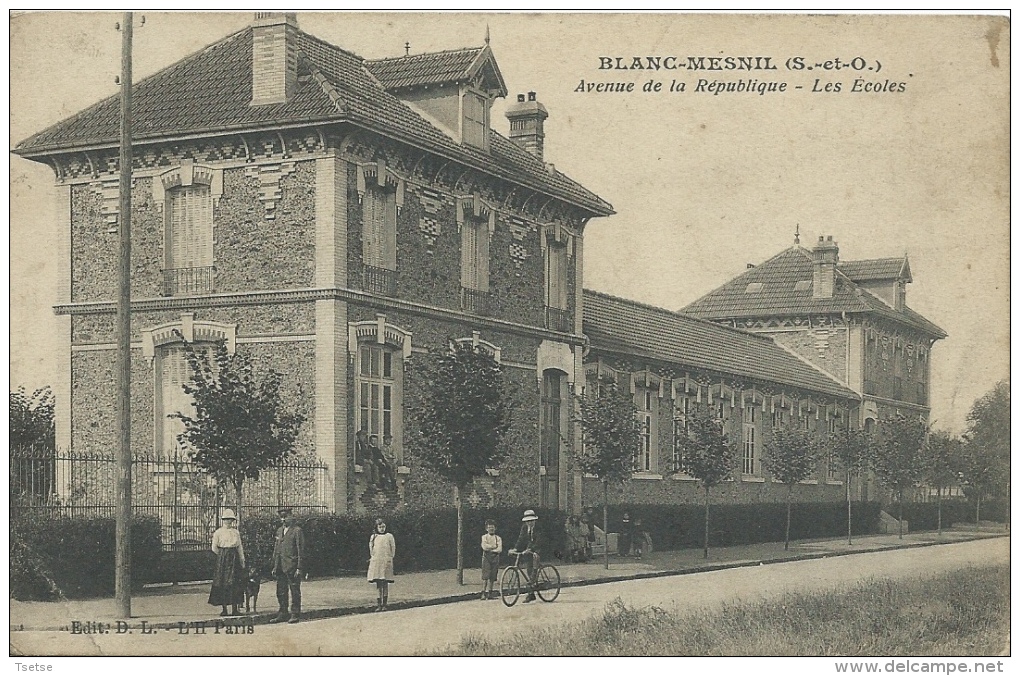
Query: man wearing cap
column 287, row 553
column 527, row 546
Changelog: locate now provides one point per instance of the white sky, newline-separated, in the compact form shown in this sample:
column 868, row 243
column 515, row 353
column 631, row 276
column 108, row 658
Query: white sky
column 702, row 184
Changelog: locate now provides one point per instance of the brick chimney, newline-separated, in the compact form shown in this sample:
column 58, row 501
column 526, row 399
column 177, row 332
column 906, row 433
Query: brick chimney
column 274, row 57
column 527, row 120
column 826, row 258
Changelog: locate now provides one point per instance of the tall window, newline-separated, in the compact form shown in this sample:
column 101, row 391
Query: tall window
column 777, row 417
column 551, row 436
column 557, row 317
column 647, row 402
column 474, row 265
column 681, row 427
column 379, row 238
column 832, row 462
column 377, row 391
column 476, row 110
column 750, row 459
column 173, row 372
column 189, row 241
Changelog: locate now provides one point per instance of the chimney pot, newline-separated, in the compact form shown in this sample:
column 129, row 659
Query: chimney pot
column 520, row 98
column 750, row 265
column 531, row 96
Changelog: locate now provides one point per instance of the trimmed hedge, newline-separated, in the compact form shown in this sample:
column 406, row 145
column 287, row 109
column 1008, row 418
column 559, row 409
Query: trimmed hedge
column 680, row 526
column 74, row 557
column 337, row 544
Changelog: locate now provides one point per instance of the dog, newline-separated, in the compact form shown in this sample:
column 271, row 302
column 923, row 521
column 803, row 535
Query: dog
column 251, row 590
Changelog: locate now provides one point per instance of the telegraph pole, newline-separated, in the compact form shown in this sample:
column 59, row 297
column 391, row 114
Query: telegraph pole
column 123, row 418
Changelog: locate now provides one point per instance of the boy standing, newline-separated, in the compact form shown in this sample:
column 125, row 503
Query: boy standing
column 492, row 546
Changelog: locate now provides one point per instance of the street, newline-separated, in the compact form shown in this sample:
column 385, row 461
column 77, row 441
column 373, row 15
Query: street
column 429, row 628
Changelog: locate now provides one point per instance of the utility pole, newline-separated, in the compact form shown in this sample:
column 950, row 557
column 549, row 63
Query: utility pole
column 123, row 418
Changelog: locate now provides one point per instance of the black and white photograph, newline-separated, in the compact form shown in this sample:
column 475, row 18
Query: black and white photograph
column 510, row 334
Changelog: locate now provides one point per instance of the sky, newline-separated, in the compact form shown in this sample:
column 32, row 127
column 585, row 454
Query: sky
column 702, row 184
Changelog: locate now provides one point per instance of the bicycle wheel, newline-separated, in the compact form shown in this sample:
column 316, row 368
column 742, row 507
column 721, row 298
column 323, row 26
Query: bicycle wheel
column 548, row 587
column 510, row 586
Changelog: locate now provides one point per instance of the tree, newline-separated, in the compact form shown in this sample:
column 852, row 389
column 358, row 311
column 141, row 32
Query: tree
column 31, row 419
column 32, row 444
column 240, row 425
column 462, row 418
column 941, row 457
column 851, row 449
column 897, row 460
column 986, row 456
column 610, row 434
column 706, row 454
column 791, row 455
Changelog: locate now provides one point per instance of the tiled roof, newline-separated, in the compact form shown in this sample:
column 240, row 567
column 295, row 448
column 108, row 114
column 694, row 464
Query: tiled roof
column 780, row 295
column 210, row 91
column 424, row 69
column 619, row 325
column 875, row 269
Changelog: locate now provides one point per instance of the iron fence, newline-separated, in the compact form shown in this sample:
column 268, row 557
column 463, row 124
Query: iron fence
column 183, row 496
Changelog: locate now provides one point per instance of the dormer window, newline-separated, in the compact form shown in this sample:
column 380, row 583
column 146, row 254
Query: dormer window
column 475, row 119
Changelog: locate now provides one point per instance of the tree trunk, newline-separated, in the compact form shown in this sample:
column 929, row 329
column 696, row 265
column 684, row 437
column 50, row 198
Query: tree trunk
column 460, row 535
column 706, row 521
column 605, row 519
column 977, row 513
column 849, row 516
column 239, row 486
column 901, row 513
column 789, row 500
column 939, row 498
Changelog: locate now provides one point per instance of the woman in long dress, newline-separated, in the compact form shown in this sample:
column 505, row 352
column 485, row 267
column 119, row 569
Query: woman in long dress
column 381, row 548
column 228, row 582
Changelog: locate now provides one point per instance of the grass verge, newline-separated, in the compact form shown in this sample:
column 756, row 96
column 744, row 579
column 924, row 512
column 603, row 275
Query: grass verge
column 965, row 613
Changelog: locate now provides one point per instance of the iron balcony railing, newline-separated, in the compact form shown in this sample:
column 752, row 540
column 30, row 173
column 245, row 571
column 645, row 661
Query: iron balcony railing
column 379, row 280
column 474, row 301
column 557, row 319
column 188, row 281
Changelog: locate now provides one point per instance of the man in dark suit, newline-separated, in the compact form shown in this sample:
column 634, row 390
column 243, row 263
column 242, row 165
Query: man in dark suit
column 527, row 541
column 287, row 553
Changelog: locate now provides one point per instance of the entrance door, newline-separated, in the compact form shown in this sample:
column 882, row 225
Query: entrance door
column 552, row 435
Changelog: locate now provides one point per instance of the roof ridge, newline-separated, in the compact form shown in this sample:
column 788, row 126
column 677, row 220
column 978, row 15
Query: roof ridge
column 684, row 316
column 423, row 54
column 748, row 271
column 338, row 48
column 135, row 84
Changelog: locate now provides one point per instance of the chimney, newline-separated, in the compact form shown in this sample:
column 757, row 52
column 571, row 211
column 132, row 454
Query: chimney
column 527, row 119
column 826, row 258
column 273, row 57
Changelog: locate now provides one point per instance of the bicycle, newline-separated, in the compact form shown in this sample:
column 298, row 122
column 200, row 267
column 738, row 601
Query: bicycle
column 546, row 584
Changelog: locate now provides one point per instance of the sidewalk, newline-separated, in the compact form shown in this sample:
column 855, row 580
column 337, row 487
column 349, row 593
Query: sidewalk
column 332, row 597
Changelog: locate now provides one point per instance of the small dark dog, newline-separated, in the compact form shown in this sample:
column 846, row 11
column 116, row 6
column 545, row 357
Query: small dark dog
column 251, row 590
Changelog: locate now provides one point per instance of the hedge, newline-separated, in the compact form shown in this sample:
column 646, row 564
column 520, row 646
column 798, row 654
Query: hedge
column 337, row 544
column 681, row 526
column 74, row 557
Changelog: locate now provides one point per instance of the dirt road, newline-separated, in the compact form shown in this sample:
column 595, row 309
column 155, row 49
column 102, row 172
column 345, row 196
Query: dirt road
column 421, row 629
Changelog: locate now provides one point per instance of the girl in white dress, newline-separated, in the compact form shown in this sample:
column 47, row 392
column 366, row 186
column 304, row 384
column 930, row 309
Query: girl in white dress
column 382, row 548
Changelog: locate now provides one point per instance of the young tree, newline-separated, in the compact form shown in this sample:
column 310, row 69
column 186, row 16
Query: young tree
column 706, row 454
column 791, row 455
column 851, row 449
column 31, row 419
column 986, row 456
column 240, row 425
column 897, row 460
column 610, row 433
column 941, row 457
column 462, row 418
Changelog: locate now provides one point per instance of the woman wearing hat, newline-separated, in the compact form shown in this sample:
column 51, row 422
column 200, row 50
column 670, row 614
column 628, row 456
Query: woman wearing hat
column 527, row 541
column 228, row 582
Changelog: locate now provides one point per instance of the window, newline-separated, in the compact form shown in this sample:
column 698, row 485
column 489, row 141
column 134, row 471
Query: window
column 173, row 372
column 557, row 315
column 378, row 409
column 831, row 461
column 777, row 417
column 551, row 436
column 750, row 458
column 379, row 240
column 647, row 402
column 188, row 263
column 474, row 264
column 476, row 126
column 681, row 428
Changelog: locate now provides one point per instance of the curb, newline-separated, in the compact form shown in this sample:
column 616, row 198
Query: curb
column 327, row 613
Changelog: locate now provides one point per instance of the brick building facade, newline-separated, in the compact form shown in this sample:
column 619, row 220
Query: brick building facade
column 333, row 217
